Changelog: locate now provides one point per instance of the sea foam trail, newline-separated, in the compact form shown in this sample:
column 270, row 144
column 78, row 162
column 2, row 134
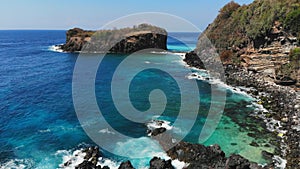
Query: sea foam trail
column 203, row 75
column 17, row 164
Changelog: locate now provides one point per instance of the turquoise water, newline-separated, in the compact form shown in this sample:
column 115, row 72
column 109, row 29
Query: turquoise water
column 39, row 126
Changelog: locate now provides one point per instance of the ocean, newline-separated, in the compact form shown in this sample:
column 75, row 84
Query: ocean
column 39, row 127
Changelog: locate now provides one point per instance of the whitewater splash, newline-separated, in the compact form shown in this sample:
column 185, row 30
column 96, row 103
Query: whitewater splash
column 203, row 75
column 17, row 164
column 56, row 48
column 72, row 158
column 155, row 124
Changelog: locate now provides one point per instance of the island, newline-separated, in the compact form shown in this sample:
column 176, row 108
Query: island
column 124, row 40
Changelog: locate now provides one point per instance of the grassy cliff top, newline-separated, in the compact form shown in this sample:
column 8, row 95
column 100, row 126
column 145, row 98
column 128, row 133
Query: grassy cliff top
column 104, row 34
column 237, row 26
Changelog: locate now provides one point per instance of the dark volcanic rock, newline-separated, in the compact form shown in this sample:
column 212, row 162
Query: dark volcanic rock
column 126, row 165
column 90, row 159
column 194, row 60
column 267, row 155
column 157, row 131
column 237, row 162
column 158, row 163
column 199, row 156
column 254, row 144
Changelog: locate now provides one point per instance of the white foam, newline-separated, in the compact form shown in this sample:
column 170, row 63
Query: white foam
column 163, row 53
column 203, row 75
column 75, row 158
column 44, row 131
column 179, row 164
column 56, row 48
column 106, row 131
column 182, row 55
column 143, row 147
column 17, row 164
column 280, row 163
column 107, row 162
column 154, row 124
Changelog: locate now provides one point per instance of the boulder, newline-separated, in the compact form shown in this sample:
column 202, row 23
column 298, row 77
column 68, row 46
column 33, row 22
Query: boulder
column 158, row 163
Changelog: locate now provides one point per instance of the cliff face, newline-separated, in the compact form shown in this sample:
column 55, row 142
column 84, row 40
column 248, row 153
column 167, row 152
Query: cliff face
column 258, row 36
column 126, row 40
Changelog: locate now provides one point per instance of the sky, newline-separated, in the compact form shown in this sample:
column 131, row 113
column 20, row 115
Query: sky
column 93, row 14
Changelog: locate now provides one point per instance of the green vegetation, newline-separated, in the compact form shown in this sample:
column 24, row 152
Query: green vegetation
column 292, row 21
column 108, row 35
column 292, row 68
column 295, row 57
column 236, row 26
column 103, row 40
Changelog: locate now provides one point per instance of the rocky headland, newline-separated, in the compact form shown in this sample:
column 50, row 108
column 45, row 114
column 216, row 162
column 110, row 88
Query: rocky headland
column 258, row 45
column 125, row 40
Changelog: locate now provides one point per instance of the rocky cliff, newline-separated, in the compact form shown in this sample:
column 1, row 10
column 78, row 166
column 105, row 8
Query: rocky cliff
column 126, row 40
column 259, row 46
column 259, row 36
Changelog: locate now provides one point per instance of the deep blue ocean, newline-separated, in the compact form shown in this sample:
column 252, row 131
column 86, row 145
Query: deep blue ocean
column 39, row 127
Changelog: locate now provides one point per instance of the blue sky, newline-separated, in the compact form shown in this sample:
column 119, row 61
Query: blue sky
column 93, row 14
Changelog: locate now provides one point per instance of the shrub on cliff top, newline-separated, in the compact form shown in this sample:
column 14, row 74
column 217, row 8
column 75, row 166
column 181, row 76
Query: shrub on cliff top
column 295, row 55
column 228, row 9
column 238, row 26
column 292, row 21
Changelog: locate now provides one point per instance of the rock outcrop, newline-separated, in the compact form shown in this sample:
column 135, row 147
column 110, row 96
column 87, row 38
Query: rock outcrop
column 126, row 165
column 125, row 40
column 199, row 156
column 158, row 163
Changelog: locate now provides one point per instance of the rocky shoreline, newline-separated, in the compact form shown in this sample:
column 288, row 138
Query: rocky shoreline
column 281, row 116
column 195, row 156
column 282, row 109
column 279, row 106
column 279, row 110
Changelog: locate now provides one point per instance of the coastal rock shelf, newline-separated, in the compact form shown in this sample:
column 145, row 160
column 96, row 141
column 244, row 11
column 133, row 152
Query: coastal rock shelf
column 125, row 40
